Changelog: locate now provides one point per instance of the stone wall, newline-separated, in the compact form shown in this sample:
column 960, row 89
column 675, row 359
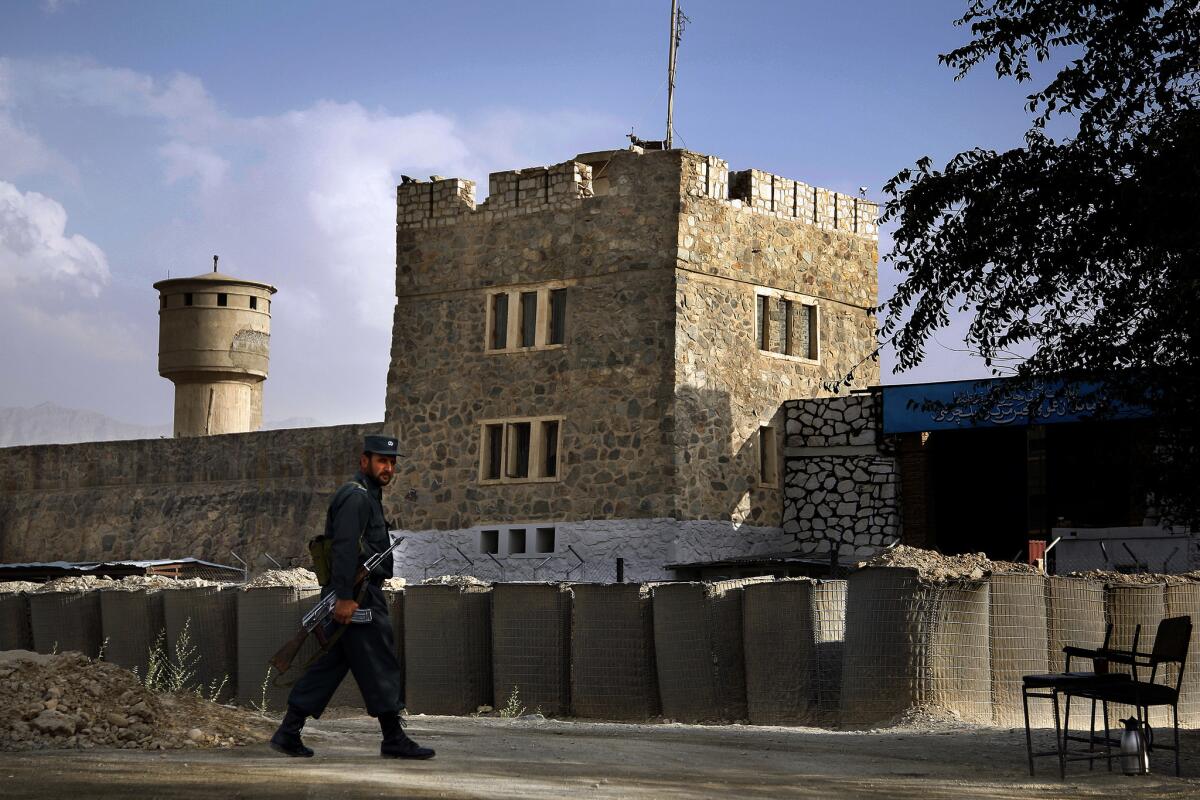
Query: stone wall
column 249, row 493
column 842, row 486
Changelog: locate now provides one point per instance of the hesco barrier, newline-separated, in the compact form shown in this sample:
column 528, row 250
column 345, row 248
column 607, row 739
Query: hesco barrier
column 1127, row 606
column 266, row 618
column 612, row 652
column 699, row 650
column 63, row 621
column 913, row 644
column 1074, row 616
column 1184, row 600
column 447, row 648
column 793, row 633
column 15, row 633
column 1019, row 645
column 209, row 616
column 131, row 623
column 531, row 646
column 829, row 624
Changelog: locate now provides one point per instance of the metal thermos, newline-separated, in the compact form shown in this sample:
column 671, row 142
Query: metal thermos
column 1135, row 760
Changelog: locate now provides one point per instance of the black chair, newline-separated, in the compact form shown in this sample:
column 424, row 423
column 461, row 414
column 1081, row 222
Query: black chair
column 1051, row 685
column 1170, row 647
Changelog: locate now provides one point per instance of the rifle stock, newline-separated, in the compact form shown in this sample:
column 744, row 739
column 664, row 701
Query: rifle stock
column 283, row 658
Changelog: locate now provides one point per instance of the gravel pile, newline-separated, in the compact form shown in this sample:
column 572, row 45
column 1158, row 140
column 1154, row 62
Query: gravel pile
column 11, row 587
column 454, row 580
column 934, row 566
column 394, row 584
column 298, row 578
column 1142, row 578
column 77, row 583
column 69, row 701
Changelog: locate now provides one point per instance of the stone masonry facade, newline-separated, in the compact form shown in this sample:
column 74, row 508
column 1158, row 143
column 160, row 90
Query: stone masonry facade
column 659, row 382
column 842, row 485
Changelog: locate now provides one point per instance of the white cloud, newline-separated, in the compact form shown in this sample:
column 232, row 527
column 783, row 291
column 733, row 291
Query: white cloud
column 35, row 247
column 185, row 161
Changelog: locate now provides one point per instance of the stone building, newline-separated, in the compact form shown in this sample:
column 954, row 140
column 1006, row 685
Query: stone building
column 592, row 363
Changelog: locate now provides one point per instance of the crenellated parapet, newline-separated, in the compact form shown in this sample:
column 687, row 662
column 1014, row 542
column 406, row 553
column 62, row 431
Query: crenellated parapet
column 772, row 194
column 564, row 187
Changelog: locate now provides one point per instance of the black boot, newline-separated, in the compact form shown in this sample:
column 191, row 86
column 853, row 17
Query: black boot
column 287, row 739
column 396, row 743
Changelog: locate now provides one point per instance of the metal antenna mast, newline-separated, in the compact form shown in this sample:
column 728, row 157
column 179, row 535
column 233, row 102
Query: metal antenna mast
column 677, row 22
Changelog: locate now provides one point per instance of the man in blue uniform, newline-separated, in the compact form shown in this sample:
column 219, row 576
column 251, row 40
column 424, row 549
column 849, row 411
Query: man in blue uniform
column 356, row 528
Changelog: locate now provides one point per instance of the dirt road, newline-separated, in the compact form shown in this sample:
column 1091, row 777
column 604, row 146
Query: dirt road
column 498, row 758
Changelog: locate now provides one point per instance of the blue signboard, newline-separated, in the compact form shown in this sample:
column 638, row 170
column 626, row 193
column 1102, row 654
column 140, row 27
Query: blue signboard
column 977, row 404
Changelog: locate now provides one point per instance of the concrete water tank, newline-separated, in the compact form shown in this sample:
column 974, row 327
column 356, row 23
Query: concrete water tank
column 214, row 334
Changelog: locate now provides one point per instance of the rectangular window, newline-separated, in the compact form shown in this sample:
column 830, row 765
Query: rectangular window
column 222, row 299
column 768, row 458
column 811, row 349
column 253, row 303
column 558, row 316
column 187, row 299
column 789, row 327
column 779, row 309
column 544, row 540
column 518, row 449
column 529, row 304
column 489, row 542
column 499, row 333
column 764, row 322
column 550, row 448
column 493, row 451
column 516, row 541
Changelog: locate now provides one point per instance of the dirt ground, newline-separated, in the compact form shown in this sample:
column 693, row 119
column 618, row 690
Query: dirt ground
column 528, row 758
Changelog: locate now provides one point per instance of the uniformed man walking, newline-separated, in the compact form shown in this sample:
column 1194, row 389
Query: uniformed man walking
column 355, row 528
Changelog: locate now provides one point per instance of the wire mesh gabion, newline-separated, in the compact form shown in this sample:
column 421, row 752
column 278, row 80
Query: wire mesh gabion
column 612, row 652
column 447, row 648
column 132, row 623
column 1018, row 645
column 209, row 615
column 1127, row 606
column 1183, row 600
column 698, row 642
column 1074, row 616
column 793, row 631
column 914, row 645
column 15, row 633
column 531, row 646
column 63, row 621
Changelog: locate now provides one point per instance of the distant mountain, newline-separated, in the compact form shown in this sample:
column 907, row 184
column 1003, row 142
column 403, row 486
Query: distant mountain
column 48, row 423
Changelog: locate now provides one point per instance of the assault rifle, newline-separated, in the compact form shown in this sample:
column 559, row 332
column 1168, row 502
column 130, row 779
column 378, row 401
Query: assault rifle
column 319, row 620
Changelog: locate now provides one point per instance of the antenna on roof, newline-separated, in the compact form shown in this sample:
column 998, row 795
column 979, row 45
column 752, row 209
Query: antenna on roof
column 678, row 20
column 215, row 263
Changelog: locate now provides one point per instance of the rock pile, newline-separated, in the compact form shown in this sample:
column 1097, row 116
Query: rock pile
column 1144, row 578
column 298, row 577
column 454, row 580
column 69, row 701
column 77, row 583
column 934, row 566
column 11, row 587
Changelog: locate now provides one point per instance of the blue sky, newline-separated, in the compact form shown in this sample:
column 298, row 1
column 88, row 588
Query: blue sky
column 142, row 137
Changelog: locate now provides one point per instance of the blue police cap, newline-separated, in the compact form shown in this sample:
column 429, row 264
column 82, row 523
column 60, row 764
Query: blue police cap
column 381, row 445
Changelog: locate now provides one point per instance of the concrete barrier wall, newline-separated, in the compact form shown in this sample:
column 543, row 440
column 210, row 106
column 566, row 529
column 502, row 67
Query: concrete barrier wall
column 1019, row 645
column 131, row 623
column 209, row 616
column 531, row 646
column 63, row 621
column 15, row 633
column 447, row 648
column 613, row 674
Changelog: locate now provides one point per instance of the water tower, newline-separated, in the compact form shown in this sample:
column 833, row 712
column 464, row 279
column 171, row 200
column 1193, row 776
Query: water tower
column 214, row 336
